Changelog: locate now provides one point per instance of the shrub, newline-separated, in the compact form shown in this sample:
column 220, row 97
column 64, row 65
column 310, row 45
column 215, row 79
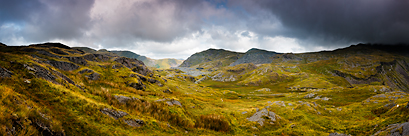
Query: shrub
column 213, row 122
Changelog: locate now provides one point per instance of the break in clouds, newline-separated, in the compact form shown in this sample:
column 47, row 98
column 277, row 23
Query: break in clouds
column 179, row 28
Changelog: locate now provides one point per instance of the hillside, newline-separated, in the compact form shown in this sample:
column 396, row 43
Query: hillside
column 52, row 89
column 157, row 63
column 211, row 58
column 255, row 56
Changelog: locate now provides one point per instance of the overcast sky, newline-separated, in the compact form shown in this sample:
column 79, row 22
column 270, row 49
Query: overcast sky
column 179, row 28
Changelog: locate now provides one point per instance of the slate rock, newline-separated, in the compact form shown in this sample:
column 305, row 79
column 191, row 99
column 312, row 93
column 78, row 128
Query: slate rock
column 63, row 65
column 112, row 113
column 77, row 60
column 122, row 99
column 5, row 73
column 93, row 76
column 261, row 114
column 138, row 86
column 174, row 102
column 134, row 122
column 395, row 130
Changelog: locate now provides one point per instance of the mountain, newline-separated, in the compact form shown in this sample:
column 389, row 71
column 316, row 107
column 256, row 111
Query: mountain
column 53, row 89
column 157, row 63
column 212, row 58
column 255, row 56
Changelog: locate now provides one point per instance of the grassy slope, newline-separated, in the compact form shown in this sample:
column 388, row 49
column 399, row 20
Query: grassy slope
column 77, row 112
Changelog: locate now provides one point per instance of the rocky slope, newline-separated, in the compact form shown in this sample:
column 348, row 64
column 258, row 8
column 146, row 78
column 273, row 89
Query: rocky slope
column 211, row 58
column 157, row 63
column 255, row 56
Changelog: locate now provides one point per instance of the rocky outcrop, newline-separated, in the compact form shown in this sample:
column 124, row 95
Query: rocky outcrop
column 394, row 130
column 255, row 56
column 86, row 71
column 122, row 99
column 170, row 102
column 211, row 55
column 45, row 129
column 96, row 57
column 134, row 122
column 134, row 64
column 39, row 51
column 63, row 65
column 262, row 115
column 137, row 86
column 77, row 60
column 58, row 51
column 93, row 76
column 42, row 72
column 113, row 113
column 5, row 73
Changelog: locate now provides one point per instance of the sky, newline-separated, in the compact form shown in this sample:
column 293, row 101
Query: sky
column 180, row 28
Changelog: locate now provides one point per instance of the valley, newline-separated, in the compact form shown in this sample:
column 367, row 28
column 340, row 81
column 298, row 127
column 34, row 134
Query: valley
column 53, row 89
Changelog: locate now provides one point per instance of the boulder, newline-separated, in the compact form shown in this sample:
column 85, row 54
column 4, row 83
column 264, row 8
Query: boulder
column 174, row 102
column 138, row 86
column 122, row 99
column 134, row 122
column 263, row 90
column 5, row 73
column 113, row 113
column 117, row 66
column 310, row 95
column 93, row 76
column 260, row 116
column 395, row 130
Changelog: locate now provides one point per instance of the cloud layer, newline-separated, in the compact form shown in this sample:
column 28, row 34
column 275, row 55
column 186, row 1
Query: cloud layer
column 179, row 28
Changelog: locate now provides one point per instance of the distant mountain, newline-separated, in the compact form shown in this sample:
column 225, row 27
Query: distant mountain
column 255, row 56
column 212, row 58
column 157, row 63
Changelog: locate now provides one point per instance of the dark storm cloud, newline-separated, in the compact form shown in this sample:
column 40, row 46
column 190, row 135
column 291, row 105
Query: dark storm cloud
column 42, row 20
column 340, row 21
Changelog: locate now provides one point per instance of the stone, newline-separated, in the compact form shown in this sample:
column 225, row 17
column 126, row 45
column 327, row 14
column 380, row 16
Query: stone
column 260, row 116
column 395, row 130
column 244, row 112
column 5, row 73
column 174, row 102
column 407, row 106
column 134, row 122
column 112, row 113
column 122, row 99
column 138, row 86
column 93, row 76
column 117, row 66
column 310, row 95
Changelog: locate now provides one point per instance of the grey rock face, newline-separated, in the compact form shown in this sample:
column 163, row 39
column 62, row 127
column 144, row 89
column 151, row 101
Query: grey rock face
column 138, row 86
column 78, row 60
column 63, row 65
column 42, row 72
column 122, row 99
column 134, row 64
column 395, row 130
column 58, row 51
column 114, row 114
column 260, row 115
column 5, row 73
column 174, row 102
column 93, row 76
column 255, row 56
column 310, row 95
column 134, row 122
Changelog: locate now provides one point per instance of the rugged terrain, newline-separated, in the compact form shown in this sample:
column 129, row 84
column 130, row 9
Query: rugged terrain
column 157, row 63
column 52, row 89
